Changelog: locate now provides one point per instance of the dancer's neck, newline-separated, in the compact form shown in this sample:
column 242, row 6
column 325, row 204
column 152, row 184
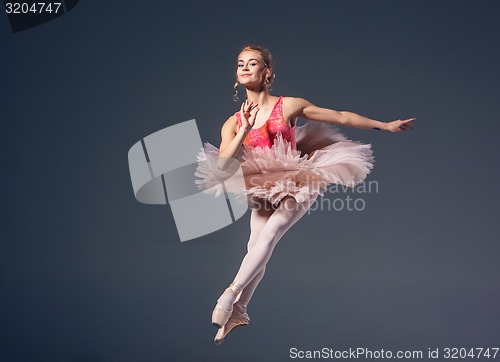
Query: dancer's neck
column 261, row 97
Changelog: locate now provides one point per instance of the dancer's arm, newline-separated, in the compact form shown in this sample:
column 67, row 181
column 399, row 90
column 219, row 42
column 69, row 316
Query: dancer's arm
column 232, row 137
column 231, row 142
column 303, row 108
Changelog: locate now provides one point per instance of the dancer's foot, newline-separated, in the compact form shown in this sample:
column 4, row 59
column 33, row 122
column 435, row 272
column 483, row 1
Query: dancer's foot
column 239, row 318
column 224, row 307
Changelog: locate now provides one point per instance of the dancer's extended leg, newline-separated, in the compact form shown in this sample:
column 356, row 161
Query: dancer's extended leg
column 283, row 218
column 261, row 213
column 239, row 317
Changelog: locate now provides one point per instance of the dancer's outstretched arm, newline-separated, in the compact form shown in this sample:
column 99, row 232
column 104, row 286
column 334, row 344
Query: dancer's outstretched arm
column 299, row 107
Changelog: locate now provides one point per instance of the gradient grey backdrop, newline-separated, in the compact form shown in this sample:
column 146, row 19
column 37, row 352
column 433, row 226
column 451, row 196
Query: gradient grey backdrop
column 90, row 274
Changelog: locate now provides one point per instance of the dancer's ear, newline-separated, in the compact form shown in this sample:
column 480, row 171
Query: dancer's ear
column 268, row 77
column 269, row 71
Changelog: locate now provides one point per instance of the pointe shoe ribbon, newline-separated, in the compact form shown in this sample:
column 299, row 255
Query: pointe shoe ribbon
column 220, row 316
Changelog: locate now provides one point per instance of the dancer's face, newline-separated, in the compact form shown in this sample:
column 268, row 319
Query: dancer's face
column 251, row 68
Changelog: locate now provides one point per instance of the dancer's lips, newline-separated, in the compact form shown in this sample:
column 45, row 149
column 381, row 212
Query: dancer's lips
column 246, row 75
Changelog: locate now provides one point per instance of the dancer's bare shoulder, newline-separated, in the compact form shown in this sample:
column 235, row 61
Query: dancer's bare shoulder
column 230, row 125
column 228, row 131
column 293, row 107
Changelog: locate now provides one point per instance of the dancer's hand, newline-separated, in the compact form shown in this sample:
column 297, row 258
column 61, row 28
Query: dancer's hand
column 400, row 125
column 248, row 113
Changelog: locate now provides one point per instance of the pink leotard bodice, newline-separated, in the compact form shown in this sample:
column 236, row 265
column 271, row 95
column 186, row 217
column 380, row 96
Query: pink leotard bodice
column 264, row 136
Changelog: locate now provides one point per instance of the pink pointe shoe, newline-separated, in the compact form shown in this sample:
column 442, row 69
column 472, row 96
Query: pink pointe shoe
column 220, row 316
column 239, row 318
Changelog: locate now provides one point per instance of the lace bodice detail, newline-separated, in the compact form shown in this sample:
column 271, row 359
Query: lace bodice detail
column 264, row 136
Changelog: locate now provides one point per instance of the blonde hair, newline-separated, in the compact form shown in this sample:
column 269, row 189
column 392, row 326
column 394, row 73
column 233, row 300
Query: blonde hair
column 267, row 58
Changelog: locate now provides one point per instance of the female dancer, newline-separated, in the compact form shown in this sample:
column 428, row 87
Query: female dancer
column 289, row 167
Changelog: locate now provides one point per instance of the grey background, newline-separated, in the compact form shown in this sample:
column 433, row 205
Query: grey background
column 89, row 274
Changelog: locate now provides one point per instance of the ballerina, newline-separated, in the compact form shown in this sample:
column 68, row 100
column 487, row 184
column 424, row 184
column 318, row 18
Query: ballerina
column 286, row 168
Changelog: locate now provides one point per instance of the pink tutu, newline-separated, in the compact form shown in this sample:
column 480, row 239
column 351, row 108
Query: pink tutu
column 323, row 156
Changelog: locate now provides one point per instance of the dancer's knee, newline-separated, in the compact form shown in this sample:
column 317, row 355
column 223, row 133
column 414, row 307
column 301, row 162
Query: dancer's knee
column 268, row 238
column 252, row 240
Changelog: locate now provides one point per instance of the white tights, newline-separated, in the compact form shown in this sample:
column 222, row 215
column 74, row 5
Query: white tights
column 267, row 226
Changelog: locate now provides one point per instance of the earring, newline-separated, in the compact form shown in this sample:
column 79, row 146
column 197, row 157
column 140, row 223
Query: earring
column 235, row 95
column 267, row 81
